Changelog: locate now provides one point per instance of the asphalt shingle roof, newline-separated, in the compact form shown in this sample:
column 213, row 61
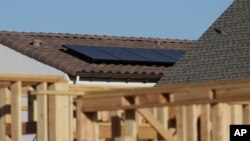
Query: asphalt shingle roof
column 221, row 53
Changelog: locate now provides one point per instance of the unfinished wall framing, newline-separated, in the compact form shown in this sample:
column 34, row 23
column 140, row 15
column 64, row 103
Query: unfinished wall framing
column 59, row 111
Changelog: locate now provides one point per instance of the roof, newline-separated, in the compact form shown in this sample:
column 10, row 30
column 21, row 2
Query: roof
column 47, row 48
column 221, row 53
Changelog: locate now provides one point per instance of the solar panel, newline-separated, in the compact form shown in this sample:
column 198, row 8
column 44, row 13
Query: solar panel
column 140, row 56
column 151, row 55
column 91, row 53
column 123, row 54
column 174, row 54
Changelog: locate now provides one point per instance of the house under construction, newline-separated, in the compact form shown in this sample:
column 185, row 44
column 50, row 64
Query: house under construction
column 67, row 87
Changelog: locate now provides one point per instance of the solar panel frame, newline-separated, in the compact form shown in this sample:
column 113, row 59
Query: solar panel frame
column 120, row 55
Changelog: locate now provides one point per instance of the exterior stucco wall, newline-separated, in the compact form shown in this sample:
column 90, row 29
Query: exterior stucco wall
column 115, row 84
column 13, row 62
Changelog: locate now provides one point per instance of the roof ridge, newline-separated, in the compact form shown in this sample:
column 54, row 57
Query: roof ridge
column 108, row 37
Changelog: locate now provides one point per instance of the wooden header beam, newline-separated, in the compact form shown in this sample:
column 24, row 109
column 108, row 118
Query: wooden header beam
column 171, row 88
column 66, row 93
column 31, row 78
column 161, row 96
column 168, row 95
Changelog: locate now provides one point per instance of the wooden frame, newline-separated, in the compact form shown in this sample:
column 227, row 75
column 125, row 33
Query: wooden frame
column 197, row 112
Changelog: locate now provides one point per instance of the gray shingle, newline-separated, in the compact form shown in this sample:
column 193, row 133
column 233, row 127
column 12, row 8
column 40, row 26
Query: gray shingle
column 221, row 53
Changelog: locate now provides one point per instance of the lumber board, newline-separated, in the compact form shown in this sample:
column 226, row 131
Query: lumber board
column 192, row 127
column 72, row 119
column 87, row 128
column 102, row 104
column 151, row 99
column 246, row 114
column 158, row 100
column 205, row 122
column 181, row 123
column 32, row 78
column 90, row 128
column 193, row 95
column 173, row 88
column 236, row 114
column 79, row 121
column 165, row 134
column 42, row 114
column 58, row 92
column 16, row 111
column 4, row 84
column 162, row 116
column 239, row 102
column 7, row 107
column 220, row 122
column 59, row 117
column 178, row 96
column 90, row 87
column 233, row 92
column 3, row 113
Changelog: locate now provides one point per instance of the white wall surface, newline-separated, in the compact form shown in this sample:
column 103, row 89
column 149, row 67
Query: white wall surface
column 115, row 84
column 13, row 62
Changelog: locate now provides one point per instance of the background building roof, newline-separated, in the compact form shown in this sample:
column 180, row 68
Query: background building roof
column 47, row 48
column 221, row 53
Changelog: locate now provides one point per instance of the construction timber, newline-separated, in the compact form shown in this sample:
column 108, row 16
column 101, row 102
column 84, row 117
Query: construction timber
column 59, row 111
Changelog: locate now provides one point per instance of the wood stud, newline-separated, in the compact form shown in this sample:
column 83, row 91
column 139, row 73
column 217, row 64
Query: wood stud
column 3, row 113
column 16, row 111
column 42, row 114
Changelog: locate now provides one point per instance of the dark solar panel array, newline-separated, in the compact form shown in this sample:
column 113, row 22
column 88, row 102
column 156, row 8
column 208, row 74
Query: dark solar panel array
column 140, row 56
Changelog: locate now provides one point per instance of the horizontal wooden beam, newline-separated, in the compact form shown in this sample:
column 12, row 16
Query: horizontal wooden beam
column 233, row 92
column 170, row 88
column 31, row 78
column 4, row 84
column 78, row 90
column 164, row 99
column 66, row 93
column 91, row 87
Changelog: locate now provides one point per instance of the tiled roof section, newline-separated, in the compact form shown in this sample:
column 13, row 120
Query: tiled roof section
column 49, row 45
column 221, row 53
